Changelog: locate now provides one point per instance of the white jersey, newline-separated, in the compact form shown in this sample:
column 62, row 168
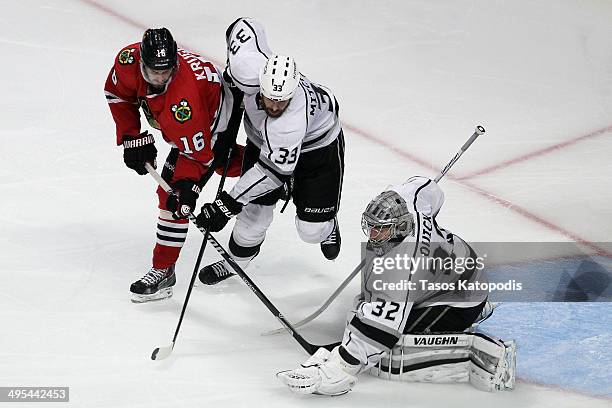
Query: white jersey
column 429, row 241
column 309, row 122
column 382, row 312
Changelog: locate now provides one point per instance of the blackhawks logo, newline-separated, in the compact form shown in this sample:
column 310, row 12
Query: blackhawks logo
column 126, row 56
column 182, row 111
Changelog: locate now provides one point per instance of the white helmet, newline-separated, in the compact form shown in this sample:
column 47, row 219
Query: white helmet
column 279, row 78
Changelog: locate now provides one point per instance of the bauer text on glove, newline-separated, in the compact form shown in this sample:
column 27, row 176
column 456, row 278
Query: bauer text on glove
column 215, row 215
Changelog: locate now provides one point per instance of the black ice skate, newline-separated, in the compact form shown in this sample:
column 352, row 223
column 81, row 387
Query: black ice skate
column 331, row 245
column 214, row 273
column 155, row 285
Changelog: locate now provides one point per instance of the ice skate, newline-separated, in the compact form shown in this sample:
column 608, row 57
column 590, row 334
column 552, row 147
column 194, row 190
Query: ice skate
column 214, row 273
column 330, row 246
column 154, row 285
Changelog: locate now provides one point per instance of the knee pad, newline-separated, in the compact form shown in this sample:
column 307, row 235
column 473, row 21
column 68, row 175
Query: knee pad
column 313, row 232
column 252, row 224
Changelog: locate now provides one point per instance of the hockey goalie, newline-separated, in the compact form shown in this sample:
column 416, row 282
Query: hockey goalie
column 411, row 321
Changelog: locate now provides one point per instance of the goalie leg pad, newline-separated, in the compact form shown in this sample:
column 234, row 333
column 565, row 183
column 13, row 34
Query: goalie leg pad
column 488, row 373
column 487, row 363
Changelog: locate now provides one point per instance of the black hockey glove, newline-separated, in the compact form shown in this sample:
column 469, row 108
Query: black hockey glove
column 221, row 148
column 138, row 150
column 183, row 199
column 215, row 215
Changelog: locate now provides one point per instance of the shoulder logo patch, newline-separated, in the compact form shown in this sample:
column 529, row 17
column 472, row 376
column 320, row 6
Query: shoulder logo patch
column 126, row 56
column 182, row 111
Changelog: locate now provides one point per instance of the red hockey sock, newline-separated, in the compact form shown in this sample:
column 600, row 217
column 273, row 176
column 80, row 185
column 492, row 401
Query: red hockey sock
column 171, row 235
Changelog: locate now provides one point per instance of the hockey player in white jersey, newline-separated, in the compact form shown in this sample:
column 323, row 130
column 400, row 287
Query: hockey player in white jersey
column 295, row 148
column 413, row 333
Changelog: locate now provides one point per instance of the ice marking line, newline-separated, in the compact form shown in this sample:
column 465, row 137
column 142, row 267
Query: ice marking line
column 372, row 138
column 489, row 196
column 533, row 217
column 136, row 24
column 563, row 390
column 115, row 14
column 537, row 153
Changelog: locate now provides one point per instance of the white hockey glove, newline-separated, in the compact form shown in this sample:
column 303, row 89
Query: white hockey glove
column 324, row 373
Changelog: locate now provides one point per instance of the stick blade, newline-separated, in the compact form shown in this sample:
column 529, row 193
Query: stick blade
column 161, row 353
column 274, row 332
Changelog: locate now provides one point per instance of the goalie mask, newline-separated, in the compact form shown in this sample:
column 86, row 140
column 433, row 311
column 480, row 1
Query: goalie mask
column 386, row 221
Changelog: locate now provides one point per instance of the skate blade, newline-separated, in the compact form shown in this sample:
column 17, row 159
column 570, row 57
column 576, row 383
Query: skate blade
column 161, row 294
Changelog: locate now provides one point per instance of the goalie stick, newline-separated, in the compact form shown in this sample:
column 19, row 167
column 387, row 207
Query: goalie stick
column 162, row 352
column 324, row 306
column 477, row 132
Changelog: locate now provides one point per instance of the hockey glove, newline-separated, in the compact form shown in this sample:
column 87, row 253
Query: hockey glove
column 215, row 215
column 324, row 373
column 138, row 150
column 183, row 199
column 221, row 148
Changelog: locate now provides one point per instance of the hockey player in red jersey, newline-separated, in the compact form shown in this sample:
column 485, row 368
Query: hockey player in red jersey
column 182, row 95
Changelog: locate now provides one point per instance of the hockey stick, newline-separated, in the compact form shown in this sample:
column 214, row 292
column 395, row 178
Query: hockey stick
column 479, row 131
column 163, row 352
column 320, row 310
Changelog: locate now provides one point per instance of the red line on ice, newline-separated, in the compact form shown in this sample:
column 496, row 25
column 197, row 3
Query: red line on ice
column 537, row 153
column 483, row 193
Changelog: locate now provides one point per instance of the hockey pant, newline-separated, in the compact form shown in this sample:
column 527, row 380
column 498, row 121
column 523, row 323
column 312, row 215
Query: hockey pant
column 316, row 194
column 250, row 231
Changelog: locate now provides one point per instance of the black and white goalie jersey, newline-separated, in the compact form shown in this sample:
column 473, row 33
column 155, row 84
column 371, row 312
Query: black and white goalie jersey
column 410, row 280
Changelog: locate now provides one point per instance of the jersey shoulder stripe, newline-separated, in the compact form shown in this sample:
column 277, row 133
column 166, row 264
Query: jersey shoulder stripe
column 256, row 39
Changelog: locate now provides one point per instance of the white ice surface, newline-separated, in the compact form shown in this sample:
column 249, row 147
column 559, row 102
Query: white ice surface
column 77, row 227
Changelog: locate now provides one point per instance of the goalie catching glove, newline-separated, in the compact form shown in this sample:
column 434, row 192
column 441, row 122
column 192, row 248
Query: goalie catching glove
column 216, row 215
column 324, row 373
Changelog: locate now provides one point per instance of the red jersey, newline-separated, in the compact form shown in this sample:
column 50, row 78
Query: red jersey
column 187, row 112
